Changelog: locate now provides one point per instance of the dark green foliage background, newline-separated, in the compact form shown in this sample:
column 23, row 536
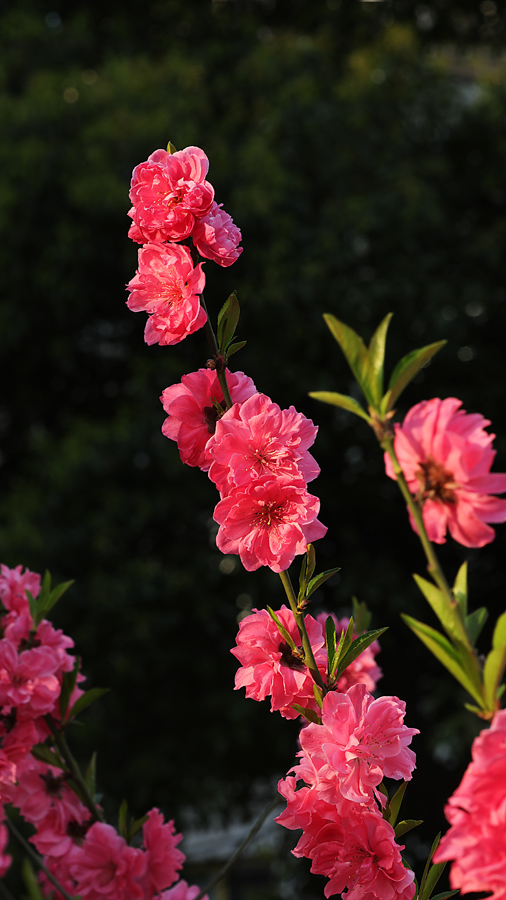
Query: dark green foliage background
column 360, row 147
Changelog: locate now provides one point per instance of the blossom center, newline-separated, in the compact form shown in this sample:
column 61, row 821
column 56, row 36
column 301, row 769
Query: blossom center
column 213, row 413
column 268, row 514
column 436, row 482
column 290, row 657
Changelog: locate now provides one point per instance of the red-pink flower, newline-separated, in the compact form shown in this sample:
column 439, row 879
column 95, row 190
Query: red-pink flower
column 363, row 669
column 194, row 406
column 41, row 788
column 168, row 192
column 258, row 438
column 28, row 680
column 163, row 859
column 360, row 741
column 359, row 855
column 269, row 667
column 216, row 237
column 446, row 455
column 167, row 287
column 268, row 522
column 183, row 891
column 14, row 583
column 476, row 841
column 105, row 867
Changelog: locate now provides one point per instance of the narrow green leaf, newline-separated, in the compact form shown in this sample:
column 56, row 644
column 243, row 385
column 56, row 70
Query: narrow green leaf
column 233, row 348
column 330, row 641
column 356, row 355
column 30, row 879
column 445, row 653
column 86, row 700
column 228, row 318
column 311, row 561
column 32, row 603
column 90, row 778
column 444, row 895
column 55, row 595
column 435, row 845
column 222, row 316
column 495, row 663
column 436, row 599
column 361, row 616
column 345, row 642
column 318, row 695
column 377, row 354
column 122, row 819
column 394, row 805
column 308, row 714
column 68, row 684
column 170, row 147
column 135, row 826
column 282, row 630
column 302, row 577
column 44, row 754
column 407, row 825
column 433, row 876
column 407, row 368
column 320, row 579
column 358, row 646
column 341, row 400
column 475, row 622
column 460, row 588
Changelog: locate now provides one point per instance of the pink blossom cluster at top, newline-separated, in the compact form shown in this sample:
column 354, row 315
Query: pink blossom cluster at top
column 476, row 841
column 446, row 455
column 88, row 857
column 257, row 455
column 172, row 202
column 331, row 795
column 270, row 668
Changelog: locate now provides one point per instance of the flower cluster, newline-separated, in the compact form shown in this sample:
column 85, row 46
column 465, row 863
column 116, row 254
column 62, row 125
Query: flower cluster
column 271, row 668
column 477, row 815
column 87, row 856
column 172, row 202
column 445, row 455
column 342, row 761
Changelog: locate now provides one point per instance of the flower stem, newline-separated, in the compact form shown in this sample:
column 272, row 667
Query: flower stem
column 220, row 361
column 309, row 659
column 37, row 859
column 75, row 772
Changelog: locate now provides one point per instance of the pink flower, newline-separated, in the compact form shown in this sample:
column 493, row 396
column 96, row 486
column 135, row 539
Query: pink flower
column 360, row 741
column 268, row 522
column 166, row 286
column 105, row 867
column 41, row 788
column 14, row 583
column 168, row 193
column 216, row 237
column 268, row 665
column 476, row 841
column 258, row 438
column 183, row 891
column 163, row 859
column 193, row 409
column 446, row 455
column 360, row 856
column 28, row 681
column 363, row 669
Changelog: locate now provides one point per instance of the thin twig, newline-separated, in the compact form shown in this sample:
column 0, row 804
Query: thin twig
column 237, row 853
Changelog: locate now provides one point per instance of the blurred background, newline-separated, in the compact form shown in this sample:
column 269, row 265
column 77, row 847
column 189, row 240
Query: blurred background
column 360, row 147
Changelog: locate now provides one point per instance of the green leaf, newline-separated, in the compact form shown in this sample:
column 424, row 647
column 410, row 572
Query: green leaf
column 341, row 400
column 406, row 369
column 361, row 616
column 86, row 700
column 460, row 588
column 495, row 663
column 446, row 654
column 122, row 819
column 394, row 804
column 318, row 695
column 320, row 579
column 55, row 595
column 436, row 599
column 358, row 646
column 171, row 148
column 308, row 714
column 475, row 622
column 377, row 354
column 282, row 630
column 311, row 561
column 302, row 577
column 407, row 825
column 31, row 881
column 444, row 895
column 435, row 845
column 135, row 826
column 433, row 876
column 330, row 641
column 68, row 684
column 90, row 778
column 44, row 754
column 357, row 356
column 233, row 349
column 345, row 642
column 228, row 318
